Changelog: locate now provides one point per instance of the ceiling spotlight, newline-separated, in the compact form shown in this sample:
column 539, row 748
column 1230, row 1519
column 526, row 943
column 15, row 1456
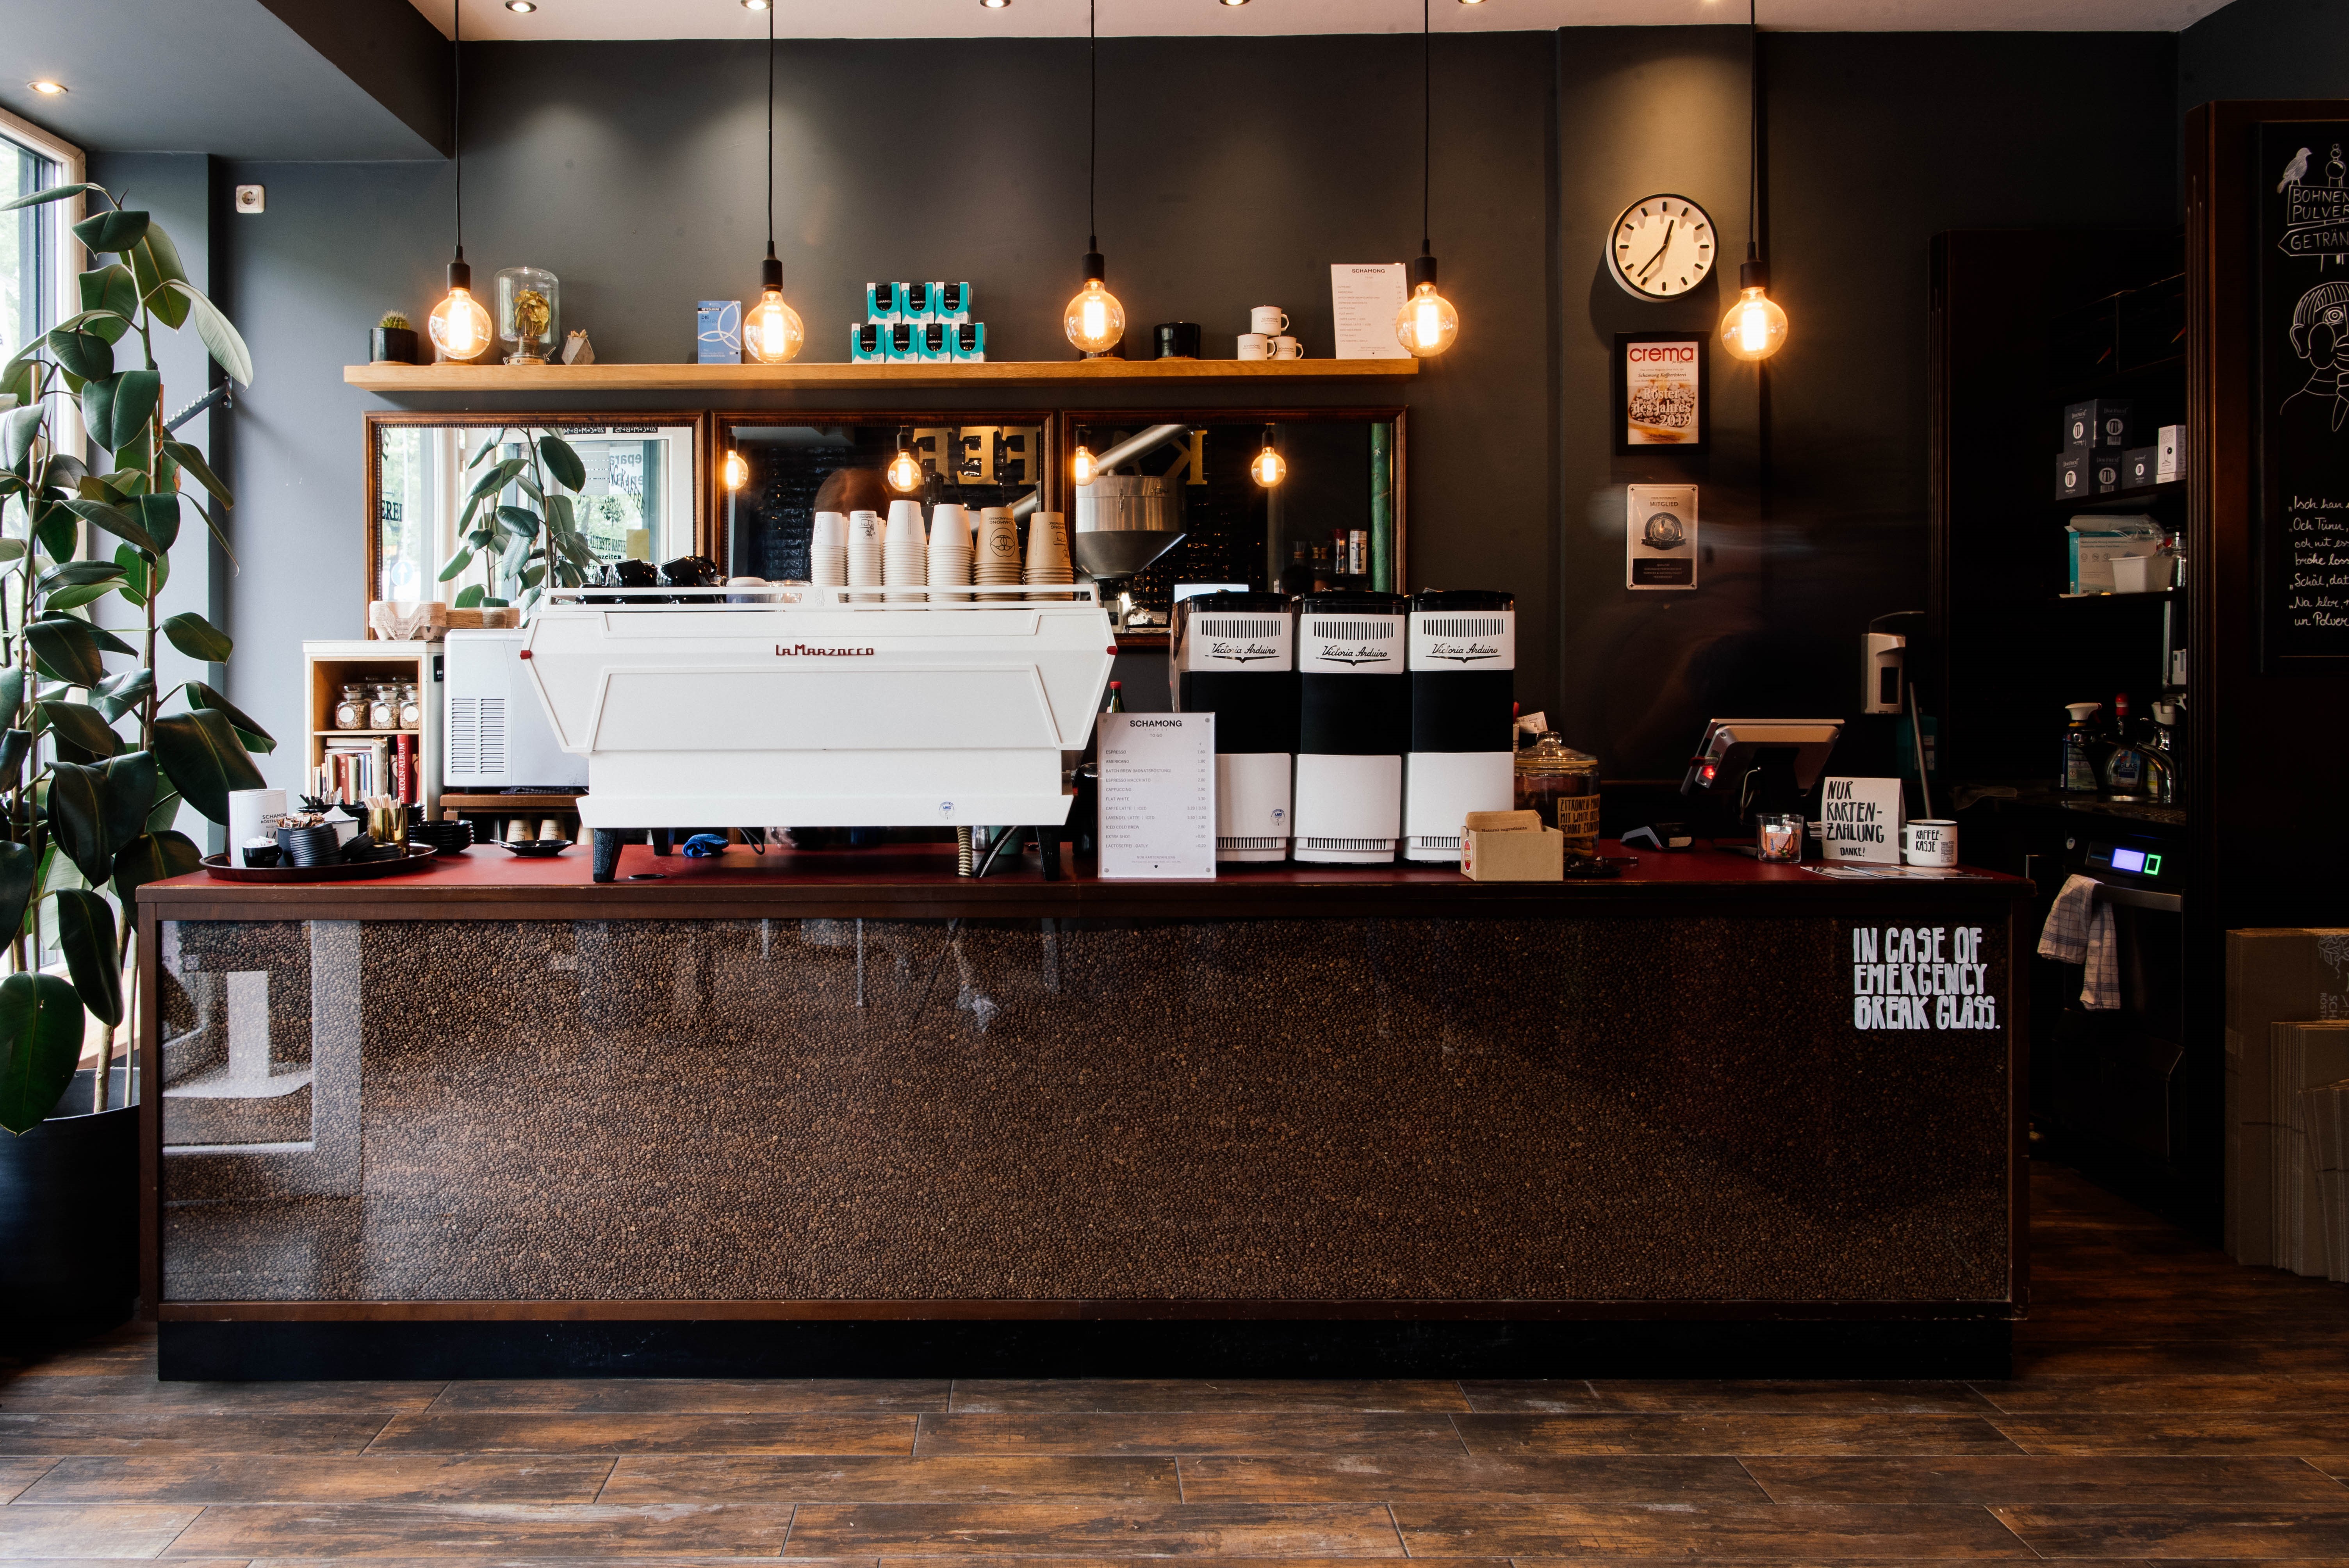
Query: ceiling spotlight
column 1235, row 1
column 994, row 5
column 521, row 7
column 46, row 88
column 754, row 4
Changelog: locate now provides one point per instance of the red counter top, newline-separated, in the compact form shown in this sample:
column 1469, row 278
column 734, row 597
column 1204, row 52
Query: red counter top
column 487, row 883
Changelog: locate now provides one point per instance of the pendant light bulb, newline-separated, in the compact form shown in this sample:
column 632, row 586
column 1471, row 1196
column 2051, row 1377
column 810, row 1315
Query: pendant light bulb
column 1080, row 467
column 1426, row 325
column 460, row 323
column 904, row 473
column 1267, row 468
column 1095, row 320
column 1755, row 327
column 738, row 472
column 774, row 334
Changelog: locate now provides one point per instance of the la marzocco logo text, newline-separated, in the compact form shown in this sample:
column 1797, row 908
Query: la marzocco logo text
column 801, row 651
column 1463, row 653
column 1331, row 654
column 1241, row 652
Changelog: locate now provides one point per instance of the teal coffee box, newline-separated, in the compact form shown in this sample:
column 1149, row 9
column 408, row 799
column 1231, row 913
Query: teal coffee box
column 916, row 304
column 864, row 343
column 969, row 341
column 900, row 342
column 883, row 303
column 950, row 303
column 937, row 341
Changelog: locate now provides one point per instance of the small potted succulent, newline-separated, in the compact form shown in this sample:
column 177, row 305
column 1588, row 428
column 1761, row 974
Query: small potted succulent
column 393, row 340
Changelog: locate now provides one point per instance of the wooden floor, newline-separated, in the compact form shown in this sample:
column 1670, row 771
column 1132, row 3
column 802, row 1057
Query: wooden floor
column 2169, row 1405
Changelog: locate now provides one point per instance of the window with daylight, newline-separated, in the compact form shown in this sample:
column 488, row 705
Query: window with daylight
column 38, row 254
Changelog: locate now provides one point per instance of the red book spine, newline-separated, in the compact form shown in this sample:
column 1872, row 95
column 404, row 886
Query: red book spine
column 403, row 767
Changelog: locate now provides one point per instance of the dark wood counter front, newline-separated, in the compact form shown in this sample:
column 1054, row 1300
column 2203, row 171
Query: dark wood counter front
column 845, row 1110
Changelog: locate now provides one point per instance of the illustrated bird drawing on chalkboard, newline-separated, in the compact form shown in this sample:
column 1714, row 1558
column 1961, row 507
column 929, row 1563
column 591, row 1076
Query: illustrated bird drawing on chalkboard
column 2295, row 170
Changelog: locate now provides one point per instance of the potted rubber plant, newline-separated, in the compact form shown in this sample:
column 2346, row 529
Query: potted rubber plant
column 96, row 760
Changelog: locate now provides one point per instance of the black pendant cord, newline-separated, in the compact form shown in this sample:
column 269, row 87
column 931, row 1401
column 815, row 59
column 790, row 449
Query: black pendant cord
column 1092, row 125
column 1426, row 131
column 1754, row 101
column 457, row 119
column 771, row 130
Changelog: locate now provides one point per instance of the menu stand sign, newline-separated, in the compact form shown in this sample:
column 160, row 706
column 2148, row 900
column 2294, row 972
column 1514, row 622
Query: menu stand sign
column 1157, row 795
column 2302, row 398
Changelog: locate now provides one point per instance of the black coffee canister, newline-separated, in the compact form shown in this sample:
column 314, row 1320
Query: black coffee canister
column 1178, row 340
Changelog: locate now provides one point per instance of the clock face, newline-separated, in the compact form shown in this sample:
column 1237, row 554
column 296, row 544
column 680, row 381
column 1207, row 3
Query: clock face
column 1661, row 247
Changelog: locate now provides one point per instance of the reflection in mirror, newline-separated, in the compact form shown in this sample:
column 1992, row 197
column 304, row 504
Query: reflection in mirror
column 787, row 472
column 1179, row 503
column 631, row 498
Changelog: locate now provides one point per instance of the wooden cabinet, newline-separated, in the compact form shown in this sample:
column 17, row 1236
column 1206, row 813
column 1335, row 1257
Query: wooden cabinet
column 329, row 666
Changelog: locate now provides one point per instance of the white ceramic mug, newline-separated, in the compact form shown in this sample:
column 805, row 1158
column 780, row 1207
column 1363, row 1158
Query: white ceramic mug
column 1288, row 348
column 1255, row 345
column 1268, row 319
column 1931, row 841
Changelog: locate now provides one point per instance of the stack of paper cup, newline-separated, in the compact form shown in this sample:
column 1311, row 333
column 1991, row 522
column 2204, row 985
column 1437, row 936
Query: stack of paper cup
column 828, row 551
column 998, row 554
column 1048, row 551
column 865, row 554
column 904, row 553
column 949, row 552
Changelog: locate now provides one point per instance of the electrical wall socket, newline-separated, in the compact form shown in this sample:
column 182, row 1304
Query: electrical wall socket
column 251, row 198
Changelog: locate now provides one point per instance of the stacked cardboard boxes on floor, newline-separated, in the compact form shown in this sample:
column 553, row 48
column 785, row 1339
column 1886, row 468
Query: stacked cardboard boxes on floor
column 2287, row 1046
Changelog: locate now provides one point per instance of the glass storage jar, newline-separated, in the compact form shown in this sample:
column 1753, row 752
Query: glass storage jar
column 351, row 708
column 411, row 712
column 383, row 708
column 529, row 314
column 1562, row 785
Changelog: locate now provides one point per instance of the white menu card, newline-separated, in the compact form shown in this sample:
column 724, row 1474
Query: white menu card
column 1157, row 795
column 1364, row 297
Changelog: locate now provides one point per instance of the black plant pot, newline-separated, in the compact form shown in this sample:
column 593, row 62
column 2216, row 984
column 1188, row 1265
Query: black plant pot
column 395, row 344
column 69, row 1221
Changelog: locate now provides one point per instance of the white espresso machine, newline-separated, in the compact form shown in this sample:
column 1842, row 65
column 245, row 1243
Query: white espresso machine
column 800, row 708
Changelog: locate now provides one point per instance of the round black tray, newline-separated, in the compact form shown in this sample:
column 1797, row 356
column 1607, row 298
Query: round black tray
column 419, row 857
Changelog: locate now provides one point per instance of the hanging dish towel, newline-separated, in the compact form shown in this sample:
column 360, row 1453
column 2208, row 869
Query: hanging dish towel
column 2079, row 930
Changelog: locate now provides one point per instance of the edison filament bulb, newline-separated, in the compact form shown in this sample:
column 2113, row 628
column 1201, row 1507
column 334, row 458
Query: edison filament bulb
column 1095, row 320
column 1427, row 323
column 459, row 325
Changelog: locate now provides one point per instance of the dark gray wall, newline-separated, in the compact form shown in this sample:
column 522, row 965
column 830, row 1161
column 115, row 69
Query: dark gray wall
column 1234, row 173
column 2266, row 49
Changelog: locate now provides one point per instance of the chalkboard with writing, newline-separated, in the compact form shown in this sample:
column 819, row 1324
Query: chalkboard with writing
column 2303, row 535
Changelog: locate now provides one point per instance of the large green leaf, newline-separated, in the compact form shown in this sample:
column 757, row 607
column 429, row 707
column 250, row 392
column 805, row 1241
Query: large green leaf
column 83, row 726
column 112, row 231
column 54, row 193
column 457, row 564
column 19, row 428
column 76, row 582
column 562, row 462
column 12, row 695
column 156, row 263
column 197, row 637
column 20, row 868
column 158, row 517
column 117, row 409
column 130, row 781
column 468, row 596
column 160, row 816
column 187, row 457
column 15, row 745
column 116, row 521
column 255, row 737
column 109, row 290
column 86, row 354
column 498, row 478
column 221, row 337
column 86, row 933
column 66, row 650
column 56, row 529
column 77, row 818
column 517, row 521
column 203, row 759
column 40, row 1041
column 151, row 857
column 118, row 694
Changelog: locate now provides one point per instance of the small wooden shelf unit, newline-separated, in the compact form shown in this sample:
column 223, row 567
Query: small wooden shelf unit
column 328, row 666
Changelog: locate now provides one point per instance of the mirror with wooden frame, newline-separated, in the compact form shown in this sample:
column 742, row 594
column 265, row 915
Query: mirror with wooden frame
column 640, row 493
column 1332, row 517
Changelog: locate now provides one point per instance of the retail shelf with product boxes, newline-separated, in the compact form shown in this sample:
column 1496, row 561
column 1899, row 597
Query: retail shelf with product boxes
column 342, row 760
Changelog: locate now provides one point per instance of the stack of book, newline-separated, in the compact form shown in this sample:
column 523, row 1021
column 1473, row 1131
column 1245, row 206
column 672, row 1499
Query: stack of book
column 358, row 765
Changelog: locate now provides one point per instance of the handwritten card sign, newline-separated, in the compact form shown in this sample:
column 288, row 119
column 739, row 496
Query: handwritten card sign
column 1859, row 819
column 2302, row 545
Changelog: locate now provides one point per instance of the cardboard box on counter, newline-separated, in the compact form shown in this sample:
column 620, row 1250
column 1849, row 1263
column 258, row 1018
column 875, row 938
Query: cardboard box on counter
column 2095, row 541
column 2274, row 975
column 1511, row 846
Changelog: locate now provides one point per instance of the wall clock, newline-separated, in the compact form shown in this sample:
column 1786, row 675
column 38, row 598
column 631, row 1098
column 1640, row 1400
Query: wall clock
column 1661, row 247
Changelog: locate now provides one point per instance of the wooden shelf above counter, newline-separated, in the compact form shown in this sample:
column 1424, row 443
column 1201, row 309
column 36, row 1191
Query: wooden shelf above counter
column 545, row 378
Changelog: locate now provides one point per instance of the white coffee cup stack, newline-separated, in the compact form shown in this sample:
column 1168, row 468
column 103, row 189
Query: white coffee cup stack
column 950, row 552
column 1048, row 551
column 828, row 551
column 904, row 553
column 865, row 554
column 998, row 559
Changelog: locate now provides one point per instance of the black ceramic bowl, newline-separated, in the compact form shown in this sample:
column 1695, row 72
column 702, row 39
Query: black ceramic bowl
column 537, row 848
